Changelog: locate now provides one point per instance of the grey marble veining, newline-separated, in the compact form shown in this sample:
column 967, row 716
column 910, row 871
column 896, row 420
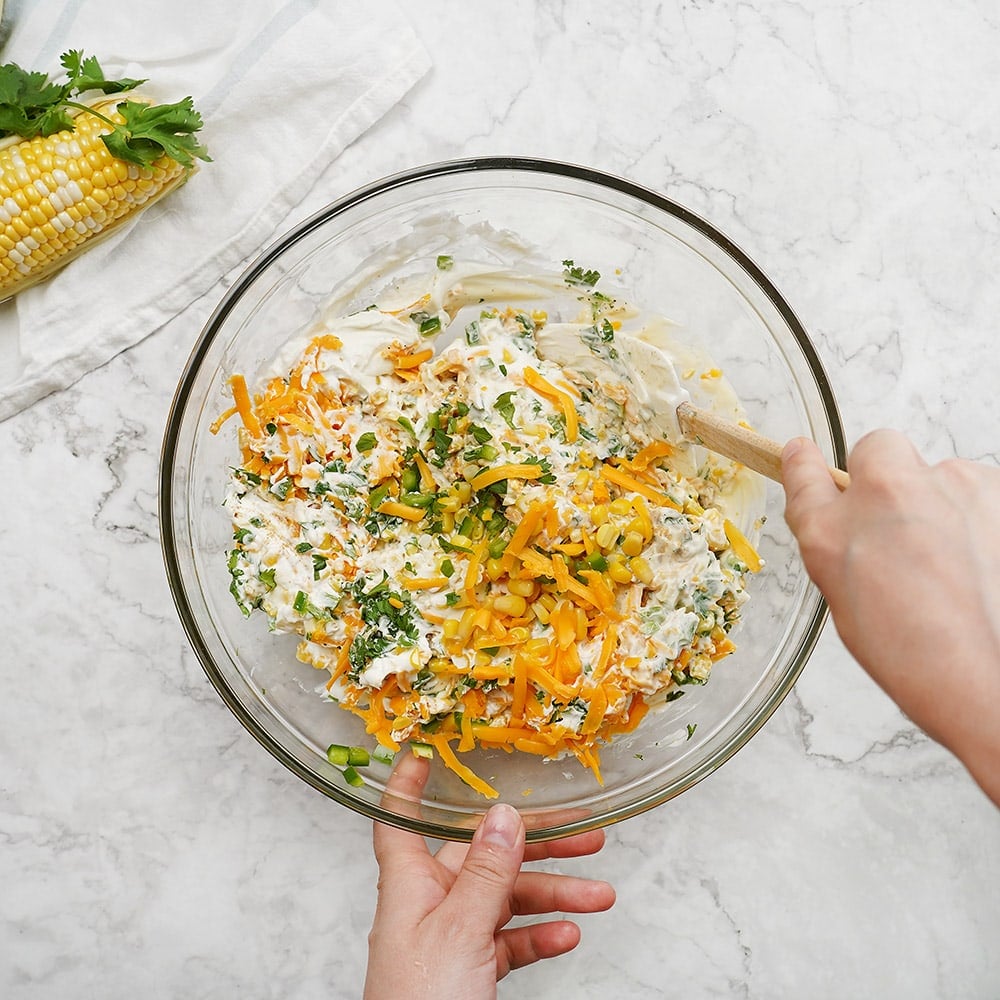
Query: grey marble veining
column 149, row 847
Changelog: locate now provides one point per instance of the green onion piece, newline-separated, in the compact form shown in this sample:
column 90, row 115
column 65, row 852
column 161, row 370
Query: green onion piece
column 430, row 326
column 407, row 425
column 472, row 333
column 467, row 527
column 352, row 777
column 358, row 757
column 424, row 750
column 597, row 561
column 337, row 754
column 409, row 479
column 497, row 547
column 447, row 567
column 445, row 262
column 366, row 442
column 383, row 754
column 417, row 499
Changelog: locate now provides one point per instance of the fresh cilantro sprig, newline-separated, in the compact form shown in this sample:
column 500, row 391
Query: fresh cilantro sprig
column 33, row 105
column 152, row 130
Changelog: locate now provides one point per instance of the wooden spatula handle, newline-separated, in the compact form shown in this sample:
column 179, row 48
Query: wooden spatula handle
column 739, row 443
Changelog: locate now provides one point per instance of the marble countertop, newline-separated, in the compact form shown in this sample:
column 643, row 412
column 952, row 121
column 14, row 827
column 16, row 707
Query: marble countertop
column 149, row 847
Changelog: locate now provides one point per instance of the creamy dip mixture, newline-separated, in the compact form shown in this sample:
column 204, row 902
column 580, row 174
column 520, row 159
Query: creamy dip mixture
column 470, row 510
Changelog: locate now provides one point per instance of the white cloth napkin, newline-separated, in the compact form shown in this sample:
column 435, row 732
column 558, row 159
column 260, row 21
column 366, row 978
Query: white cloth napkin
column 283, row 85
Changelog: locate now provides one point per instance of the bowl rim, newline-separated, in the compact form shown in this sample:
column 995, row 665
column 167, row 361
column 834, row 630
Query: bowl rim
column 168, row 457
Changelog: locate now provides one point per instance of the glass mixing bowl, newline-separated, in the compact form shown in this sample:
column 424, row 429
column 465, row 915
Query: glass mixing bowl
column 671, row 262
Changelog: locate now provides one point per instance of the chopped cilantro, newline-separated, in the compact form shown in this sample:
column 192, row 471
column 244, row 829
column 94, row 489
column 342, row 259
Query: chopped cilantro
column 505, row 407
column 366, row 442
column 575, row 275
column 281, row 488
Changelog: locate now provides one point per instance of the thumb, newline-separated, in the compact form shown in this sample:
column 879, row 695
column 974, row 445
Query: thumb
column 486, row 880
column 806, row 479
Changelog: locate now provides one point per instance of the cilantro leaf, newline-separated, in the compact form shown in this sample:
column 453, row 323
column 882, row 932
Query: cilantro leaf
column 573, row 274
column 85, row 73
column 152, row 130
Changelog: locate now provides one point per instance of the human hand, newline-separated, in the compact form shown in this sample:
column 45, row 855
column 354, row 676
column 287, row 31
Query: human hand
column 440, row 922
column 907, row 559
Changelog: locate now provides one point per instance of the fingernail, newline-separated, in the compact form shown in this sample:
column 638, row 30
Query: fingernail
column 501, row 826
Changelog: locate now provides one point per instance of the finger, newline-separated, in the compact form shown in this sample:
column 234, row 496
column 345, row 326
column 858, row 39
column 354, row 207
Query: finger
column 452, row 854
column 540, row 892
column 577, row 846
column 395, row 847
column 884, row 454
column 486, row 879
column 806, row 479
column 521, row 946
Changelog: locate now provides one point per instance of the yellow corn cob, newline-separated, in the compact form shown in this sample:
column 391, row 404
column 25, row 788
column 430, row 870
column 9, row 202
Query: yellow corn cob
column 60, row 193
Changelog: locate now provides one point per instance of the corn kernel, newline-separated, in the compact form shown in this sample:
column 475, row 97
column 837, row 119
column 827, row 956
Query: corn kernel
column 447, row 523
column 510, row 604
column 519, row 634
column 642, row 570
column 450, row 504
column 494, row 569
column 599, row 514
column 464, row 491
column 621, row 506
column 607, row 535
column 618, row 571
column 525, row 588
column 465, row 625
column 483, row 659
column 450, row 628
column 632, row 543
column 541, row 612
column 582, row 480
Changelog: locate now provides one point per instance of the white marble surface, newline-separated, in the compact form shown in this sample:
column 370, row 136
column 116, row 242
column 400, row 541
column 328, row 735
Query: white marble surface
column 150, row 848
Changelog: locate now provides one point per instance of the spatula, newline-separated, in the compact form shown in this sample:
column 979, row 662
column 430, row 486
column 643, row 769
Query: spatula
column 739, row 443
column 664, row 403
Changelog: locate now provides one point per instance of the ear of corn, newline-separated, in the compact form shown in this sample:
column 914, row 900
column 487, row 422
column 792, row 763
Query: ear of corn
column 61, row 193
